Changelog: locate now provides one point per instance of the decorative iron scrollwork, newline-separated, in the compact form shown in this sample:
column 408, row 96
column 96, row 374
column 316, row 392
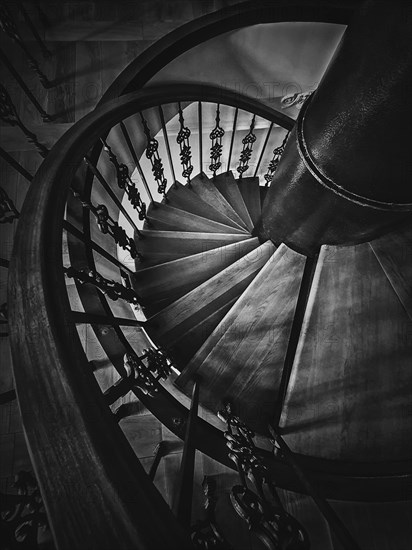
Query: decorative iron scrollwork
column 108, row 226
column 24, row 522
column 152, row 153
column 260, row 508
column 124, row 181
column 8, row 211
column 111, row 289
column 185, row 150
column 273, row 164
column 9, row 115
column 297, row 99
column 216, row 136
column 9, row 27
column 205, row 533
column 148, row 369
column 246, row 153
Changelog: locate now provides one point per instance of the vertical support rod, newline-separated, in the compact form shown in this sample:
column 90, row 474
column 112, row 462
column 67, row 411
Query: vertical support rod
column 263, row 149
column 45, row 51
column 232, row 139
column 199, row 116
column 16, row 165
column 160, row 452
column 335, row 523
column 166, row 138
column 182, row 505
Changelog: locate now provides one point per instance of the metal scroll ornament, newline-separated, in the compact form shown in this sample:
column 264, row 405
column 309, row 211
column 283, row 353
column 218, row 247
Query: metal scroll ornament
column 205, row 533
column 8, row 211
column 146, row 370
column 260, row 506
column 111, row 289
column 152, row 153
column 124, row 181
column 273, row 164
column 216, row 136
column 246, row 153
column 185, row 150
column 108, row 226
column 23, row 520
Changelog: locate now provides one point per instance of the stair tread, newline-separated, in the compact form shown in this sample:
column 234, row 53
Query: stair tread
column 168, row 218
column 353, row 326
column 250, row 190
column 162, row 246
column 186, row 346
column 206, row 190
column 228, row 187
column 181, row 196
column 183, row 274
column 244, row 356
column 393, row 252
column 179, row 317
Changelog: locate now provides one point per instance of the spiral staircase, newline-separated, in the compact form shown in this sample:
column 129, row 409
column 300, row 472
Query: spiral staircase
column 147, row 240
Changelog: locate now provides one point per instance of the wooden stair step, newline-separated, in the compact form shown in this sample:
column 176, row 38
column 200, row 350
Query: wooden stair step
column 244, row 356
column 250, row 191
column 182, row 275
column 228, row 187
column 393, row 252
column 181, row 196
column 183, row 349
column 189, row 310
column 158, row 247
column 167, row 218
column 348, row 393
column 206, row 190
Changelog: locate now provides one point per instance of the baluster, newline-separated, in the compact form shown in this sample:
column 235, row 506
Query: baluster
column 161, row 450
column 8, row 114
column 124, row 181
column 185, row 150
column 335, row 523
column 108, row 226
column 148, row 369
column 232, row 139
column 152, row 154
column 14, row 164
column 216, row 136
column 273, row 164
column 166, row 138
column 262, row 508
column 45, row 51
column 8, row 210
column 205, row 533
column 246, row 152
column 9, row 27
column 200, row 126
column 111, row 289
column 297, row 99
column 182, row 504
column 263, row 149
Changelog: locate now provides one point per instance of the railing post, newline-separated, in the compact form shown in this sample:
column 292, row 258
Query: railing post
column 335, row 523
column 182, row 505
column 160, row 451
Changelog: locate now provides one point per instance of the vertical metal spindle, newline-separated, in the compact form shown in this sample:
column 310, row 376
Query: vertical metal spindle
column 16, row 165
column 166, row 138
column 246, row 152
column 136, row 160
column 263, row 149
column 185, row 150
column 232, row 139
column 216, row 136
column 335, row 523
column 182, row 505
column 160, row 451
column 199, row 120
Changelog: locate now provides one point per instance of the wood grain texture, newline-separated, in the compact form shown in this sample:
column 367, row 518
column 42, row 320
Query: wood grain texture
column 249, row 188
column 349, row 393
column 394, row 253
column 163, row 246
column 227, row 186
column 243, row 358
column 184, row 198
column 167, row 218
column 184, row 274
column 175, row 320
column 206, row 190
